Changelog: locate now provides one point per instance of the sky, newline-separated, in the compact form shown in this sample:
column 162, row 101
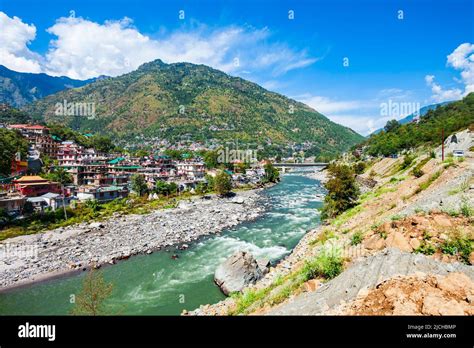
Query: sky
column 360, row 63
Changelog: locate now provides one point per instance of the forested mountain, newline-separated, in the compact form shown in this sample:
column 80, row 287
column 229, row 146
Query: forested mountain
column 448, row 118
column 183, row 100
column 18, row 89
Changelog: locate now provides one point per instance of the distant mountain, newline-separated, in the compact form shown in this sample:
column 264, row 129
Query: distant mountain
column 445, row 119
column 18, row 89
column 196, row 102
column 422, row 112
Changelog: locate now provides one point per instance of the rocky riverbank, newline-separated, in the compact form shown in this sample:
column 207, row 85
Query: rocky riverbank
column 35, row 257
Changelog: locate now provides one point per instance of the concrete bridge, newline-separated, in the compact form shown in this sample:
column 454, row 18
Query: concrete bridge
column 283, row 167
column 305, row 164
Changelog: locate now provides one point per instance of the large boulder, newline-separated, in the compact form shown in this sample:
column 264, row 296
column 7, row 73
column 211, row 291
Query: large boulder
column 238, row 271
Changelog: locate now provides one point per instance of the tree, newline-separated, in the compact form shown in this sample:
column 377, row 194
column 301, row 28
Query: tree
column 342, row 191
column 271, row 173
column 210, row 159
column 202, row 188
column 59, row 175
column 359, row 167
column 28, row 208
column 90, row 301
column 139, row 184
column 161, row 188
column 222, row 183
column 142, row 153
column 11, row 142
column 172, row 187
column 391, row 125
column 174, row 154
column 164, row 188
column 102, row 143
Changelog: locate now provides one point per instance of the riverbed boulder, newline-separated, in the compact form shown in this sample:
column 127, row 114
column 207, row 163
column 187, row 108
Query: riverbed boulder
column 237, row 272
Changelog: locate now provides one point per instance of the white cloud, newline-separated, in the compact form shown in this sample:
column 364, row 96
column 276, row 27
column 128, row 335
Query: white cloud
column 83, row 49
column 440, row 94
column 330, row 106
column 462, row 59
column 364, row 115
column 14, row 39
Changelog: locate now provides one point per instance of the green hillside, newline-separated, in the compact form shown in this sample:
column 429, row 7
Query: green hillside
column 450, row 118
column 183, row 100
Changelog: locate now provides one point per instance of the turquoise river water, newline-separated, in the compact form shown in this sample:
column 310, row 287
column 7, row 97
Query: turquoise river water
column 158, row 285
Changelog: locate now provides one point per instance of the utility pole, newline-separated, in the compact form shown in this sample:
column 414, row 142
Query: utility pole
column 64, row 205
column 442, row 144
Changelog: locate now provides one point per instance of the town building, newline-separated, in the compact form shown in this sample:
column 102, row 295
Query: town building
column 12, row 202
column 33, row 186
column 191, row 170
column 50, row 200
column 101, row 194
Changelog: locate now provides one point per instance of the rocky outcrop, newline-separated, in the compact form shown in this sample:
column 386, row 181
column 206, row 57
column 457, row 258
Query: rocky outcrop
column 363, row 275
column 365, row 184
column 415, row 295
column 238, row 271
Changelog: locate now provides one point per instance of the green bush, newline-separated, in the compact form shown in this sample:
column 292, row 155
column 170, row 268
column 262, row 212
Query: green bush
column 426, row 249
column 359, row 167
column 357, row 238
column 458, row 245
column 424, row 185
column 417, row 172
column 327, row 266
column 466, row 209
column 407, row 161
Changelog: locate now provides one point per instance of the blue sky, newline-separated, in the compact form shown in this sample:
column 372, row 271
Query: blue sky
column 422, row 55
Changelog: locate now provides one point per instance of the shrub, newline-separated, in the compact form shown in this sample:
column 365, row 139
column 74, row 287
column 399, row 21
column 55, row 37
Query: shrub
column 426, row 249
column 357, row 238
column 359, row 167
column 396, row 217
column 458, row 245
column 427, row 183
column 327, row 266
column 417, row 172
column 407, row 161
column 466, row 209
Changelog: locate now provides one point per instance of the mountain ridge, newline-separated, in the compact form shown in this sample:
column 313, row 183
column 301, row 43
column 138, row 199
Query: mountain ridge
column 185, row 100
column 19, row 89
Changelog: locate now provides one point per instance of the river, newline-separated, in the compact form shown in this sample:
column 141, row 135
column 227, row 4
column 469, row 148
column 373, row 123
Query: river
column 156, row 284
